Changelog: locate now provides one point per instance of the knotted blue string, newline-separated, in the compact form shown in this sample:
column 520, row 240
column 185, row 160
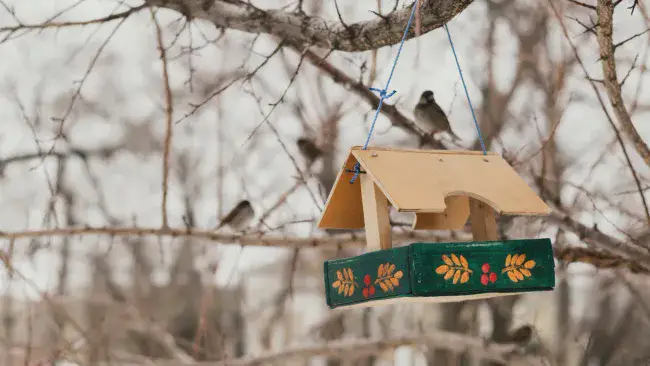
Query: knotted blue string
column 383, row 93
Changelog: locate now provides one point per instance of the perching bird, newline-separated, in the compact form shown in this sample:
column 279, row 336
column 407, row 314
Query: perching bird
column 430, row 117
column 309, row 150
column 239, row 217
column 520, row 336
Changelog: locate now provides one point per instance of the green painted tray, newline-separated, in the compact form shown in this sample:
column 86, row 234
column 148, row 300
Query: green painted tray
column 441, row 272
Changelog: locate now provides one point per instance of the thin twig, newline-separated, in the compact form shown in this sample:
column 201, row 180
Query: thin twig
column 580, row 3
column 169, row 110
column 50, row 24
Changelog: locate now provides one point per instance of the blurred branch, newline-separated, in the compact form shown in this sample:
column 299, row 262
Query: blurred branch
column 605, row 10
column 169, row 110
column 253, row 239
column 614, row 254
column 302, row 29
column 348, row 348
column 598, row 258
column 83, row 154
column 596, row 238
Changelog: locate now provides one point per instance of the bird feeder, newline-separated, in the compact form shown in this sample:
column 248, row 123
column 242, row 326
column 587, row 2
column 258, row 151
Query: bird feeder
column 442, row 189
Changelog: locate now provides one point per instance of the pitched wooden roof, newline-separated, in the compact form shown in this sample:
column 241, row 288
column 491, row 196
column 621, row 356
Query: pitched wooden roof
column 434, row 184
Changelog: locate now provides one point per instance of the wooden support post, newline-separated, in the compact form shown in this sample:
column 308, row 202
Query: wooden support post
column 484, row 225
column 375, row 215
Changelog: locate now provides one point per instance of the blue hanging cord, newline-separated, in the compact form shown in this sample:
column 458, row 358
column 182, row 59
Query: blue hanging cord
column 383, row 93
column 478, row 129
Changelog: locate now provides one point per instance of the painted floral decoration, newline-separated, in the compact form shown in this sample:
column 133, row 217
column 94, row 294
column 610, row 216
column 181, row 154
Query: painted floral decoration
column 517, row 267
column 387, row 279
column 455, row 267
column 345, row 282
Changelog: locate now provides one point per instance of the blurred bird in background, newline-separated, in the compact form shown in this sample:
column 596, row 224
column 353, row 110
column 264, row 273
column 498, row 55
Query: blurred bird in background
column 239, row 217
column 309, row 150
column 430, row 117
column 520, row 336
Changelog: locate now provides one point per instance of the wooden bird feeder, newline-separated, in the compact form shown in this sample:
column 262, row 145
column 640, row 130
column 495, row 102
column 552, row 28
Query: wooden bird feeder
column 442, row 189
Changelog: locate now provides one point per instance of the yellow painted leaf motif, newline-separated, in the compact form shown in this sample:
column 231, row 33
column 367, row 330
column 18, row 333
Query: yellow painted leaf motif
column 518, row 274
column 389, row 285
column 521, row 259
column 455, row 259
column 442, row 269
column 447, row 260
column 455, row 267
column 449, row 274
column 463, row 261
column 388, row 278
column 512, row 277
column 456, row 277
column 383, row 287
column 345, row 282
column 464, row 278
column 517, row 267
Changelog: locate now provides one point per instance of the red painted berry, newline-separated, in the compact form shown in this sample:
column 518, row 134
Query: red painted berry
column 366, row 280
column 372, row 290
column 493, row 277
column 484, row 279
column 485, row 268
column 365, row 292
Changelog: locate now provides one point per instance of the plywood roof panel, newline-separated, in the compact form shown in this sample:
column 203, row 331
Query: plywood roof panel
column 419, row 180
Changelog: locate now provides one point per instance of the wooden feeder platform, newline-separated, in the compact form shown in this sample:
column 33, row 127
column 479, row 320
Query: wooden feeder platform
column 443, row 189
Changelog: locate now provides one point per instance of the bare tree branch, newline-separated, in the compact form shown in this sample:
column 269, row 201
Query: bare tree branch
column 254, row 239
column 169, row 111
column 605, row 9
column 301, row 29
column 598, row 258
